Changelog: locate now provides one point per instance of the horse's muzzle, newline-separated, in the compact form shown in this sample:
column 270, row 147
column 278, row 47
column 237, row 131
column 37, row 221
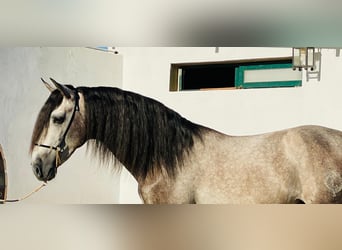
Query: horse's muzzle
column 42, row 175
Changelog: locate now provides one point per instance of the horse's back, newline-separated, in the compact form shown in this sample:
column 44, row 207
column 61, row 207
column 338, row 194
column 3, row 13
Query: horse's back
column 302, row 163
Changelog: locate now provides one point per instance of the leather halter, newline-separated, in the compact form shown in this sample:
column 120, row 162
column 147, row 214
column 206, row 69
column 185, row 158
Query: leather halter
column 60, row 148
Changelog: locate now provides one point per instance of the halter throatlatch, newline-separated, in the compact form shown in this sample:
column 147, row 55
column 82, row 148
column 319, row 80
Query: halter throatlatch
column 61, row 147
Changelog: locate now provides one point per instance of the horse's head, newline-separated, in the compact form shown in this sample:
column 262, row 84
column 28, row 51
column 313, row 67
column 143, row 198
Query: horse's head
column 58, row 131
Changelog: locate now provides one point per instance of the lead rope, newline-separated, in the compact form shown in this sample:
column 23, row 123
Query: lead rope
column 58, row 160
column 26, row 196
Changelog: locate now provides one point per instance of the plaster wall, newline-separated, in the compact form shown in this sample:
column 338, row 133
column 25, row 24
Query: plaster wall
column 80, row 179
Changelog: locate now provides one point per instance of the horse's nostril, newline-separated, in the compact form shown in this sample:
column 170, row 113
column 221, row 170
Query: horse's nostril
column 51, row 174
column 37, row 168
column 38, row 171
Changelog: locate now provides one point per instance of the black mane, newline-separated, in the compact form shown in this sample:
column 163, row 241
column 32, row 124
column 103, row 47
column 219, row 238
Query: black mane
column 143, row 134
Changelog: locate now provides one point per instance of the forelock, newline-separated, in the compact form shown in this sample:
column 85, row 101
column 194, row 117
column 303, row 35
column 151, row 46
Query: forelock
column 54, row 100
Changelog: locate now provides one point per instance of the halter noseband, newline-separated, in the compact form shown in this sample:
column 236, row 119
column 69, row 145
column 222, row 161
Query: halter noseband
column 62, row 145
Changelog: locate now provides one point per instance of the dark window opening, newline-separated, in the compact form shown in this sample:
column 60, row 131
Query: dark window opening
column 209, row 76
column 228, row 74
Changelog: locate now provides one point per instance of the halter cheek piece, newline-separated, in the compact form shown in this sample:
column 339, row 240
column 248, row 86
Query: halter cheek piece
column 60, row 148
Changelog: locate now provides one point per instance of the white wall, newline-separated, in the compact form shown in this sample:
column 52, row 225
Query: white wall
column 80, row 179
column 235, row 112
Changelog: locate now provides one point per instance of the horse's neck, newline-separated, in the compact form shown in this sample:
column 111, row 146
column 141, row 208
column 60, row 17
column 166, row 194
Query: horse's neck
column 144, row 135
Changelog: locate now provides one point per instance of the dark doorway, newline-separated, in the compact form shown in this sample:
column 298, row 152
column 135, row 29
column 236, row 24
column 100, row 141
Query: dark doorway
column 3, row 177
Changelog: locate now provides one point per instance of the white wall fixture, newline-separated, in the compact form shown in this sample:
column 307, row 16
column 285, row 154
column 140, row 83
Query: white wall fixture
column 303, row 58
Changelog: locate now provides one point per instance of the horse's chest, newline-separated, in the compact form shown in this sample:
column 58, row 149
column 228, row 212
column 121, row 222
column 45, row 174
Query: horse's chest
column 154, row 192
column 166, row 190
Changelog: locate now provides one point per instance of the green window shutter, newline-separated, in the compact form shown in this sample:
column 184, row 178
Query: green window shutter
column 238, row 77
column 280, row 81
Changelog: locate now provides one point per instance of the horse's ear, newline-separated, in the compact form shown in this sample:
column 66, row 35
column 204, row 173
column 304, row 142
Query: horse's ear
column 66, row 92
column 47, row 85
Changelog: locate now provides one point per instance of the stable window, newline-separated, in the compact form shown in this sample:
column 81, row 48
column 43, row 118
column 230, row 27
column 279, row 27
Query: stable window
column 257, row 73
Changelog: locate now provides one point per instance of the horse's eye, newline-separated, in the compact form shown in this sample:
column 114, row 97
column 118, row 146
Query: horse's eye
column 58, row 119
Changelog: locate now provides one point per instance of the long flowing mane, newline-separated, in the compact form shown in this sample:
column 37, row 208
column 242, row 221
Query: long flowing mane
column 143, row 134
